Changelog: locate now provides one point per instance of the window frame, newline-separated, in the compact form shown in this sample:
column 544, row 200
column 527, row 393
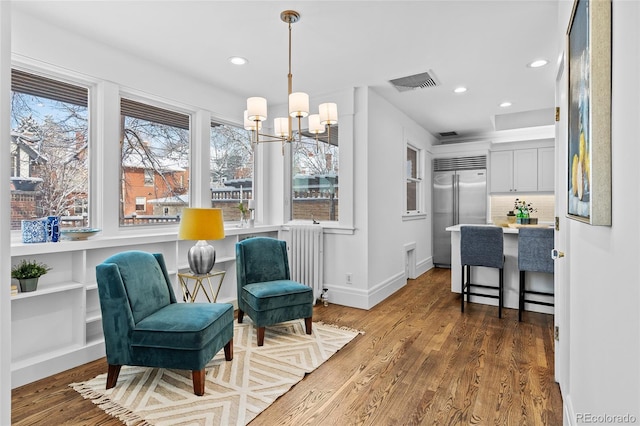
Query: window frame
column 131, row 100
column 417, row 180
column 75, row 81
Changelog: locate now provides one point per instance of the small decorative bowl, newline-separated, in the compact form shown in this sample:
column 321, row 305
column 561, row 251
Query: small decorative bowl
column 77, row 234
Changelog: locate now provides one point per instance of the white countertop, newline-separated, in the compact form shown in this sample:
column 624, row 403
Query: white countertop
column 506, row 230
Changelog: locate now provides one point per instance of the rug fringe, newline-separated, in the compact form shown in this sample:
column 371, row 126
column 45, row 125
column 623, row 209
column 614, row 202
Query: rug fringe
column 339, row 327
column 113, row 409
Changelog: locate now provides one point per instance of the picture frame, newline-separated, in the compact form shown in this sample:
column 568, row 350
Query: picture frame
column 589, row 115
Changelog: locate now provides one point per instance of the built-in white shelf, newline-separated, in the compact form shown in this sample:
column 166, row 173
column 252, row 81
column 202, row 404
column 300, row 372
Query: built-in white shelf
column 59, row 325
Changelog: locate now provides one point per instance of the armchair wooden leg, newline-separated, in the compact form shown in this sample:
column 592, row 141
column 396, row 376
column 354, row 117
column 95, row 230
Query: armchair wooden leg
column 198, row 381
column 307, row 324
column 112, row 375
column 240, row 316
column 228, row 350
column 260, row 336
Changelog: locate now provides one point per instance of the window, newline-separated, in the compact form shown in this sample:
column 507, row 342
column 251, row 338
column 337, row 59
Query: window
column 413, row 180
column 141, row 204
column 149, row 175
column 315, row 177
column 48, row 149
column 231, row 168
column 155, row 164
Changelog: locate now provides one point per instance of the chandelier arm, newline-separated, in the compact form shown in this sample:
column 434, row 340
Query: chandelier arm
column 271, row 138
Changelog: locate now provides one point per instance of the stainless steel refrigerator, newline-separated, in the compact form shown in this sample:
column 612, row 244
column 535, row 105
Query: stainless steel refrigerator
column 459, row 197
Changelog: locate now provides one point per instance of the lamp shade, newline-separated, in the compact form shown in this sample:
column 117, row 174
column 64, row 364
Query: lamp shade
column 298, row 104
column 201, row 224
column 251, row 125
column 314, row 124
column 328, row 113
column 257, row 109
column 281, row 127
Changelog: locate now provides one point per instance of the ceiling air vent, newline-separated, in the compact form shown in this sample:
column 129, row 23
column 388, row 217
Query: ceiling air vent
column 447, row 134
column 422, row 81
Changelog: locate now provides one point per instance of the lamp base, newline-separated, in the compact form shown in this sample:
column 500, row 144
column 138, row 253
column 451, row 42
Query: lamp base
column 202, row 258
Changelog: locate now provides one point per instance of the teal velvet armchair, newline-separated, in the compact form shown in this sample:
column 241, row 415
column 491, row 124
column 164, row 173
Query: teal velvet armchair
column 144, row 325
column 265, row 291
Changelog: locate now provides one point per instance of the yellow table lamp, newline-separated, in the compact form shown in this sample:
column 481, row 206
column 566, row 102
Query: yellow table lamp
column 201, row 224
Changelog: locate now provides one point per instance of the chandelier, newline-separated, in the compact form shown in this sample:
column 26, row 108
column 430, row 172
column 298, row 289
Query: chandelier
column 298, row 102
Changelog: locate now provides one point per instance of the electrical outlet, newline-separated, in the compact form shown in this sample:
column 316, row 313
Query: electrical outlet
column 349, row 281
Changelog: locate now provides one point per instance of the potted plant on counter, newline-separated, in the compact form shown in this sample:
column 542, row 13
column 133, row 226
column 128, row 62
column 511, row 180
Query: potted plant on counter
column 27, row 273
column 523, row 210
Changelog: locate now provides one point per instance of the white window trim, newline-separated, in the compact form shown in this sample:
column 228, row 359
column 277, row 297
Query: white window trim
column 345, row 223
column 420, row 212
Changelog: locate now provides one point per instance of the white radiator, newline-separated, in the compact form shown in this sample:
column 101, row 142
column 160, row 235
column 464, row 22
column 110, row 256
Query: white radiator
column 306, row 256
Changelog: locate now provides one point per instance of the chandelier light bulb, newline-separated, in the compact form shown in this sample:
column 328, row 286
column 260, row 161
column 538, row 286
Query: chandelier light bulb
column 256, row 109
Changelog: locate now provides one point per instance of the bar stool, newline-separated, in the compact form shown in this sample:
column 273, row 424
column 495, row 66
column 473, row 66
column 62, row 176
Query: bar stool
column 482, row 246
column 534, row 255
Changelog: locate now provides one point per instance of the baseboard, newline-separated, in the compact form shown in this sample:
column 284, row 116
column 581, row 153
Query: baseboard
column 424, row 265
column 368, row 298
column 386, row 288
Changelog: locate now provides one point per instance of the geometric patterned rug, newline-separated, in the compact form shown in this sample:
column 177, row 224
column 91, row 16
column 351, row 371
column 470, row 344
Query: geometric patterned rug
column 235, row 391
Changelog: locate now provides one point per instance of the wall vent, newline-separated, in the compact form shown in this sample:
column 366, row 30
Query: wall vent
column 460, row 163
column 417, row 81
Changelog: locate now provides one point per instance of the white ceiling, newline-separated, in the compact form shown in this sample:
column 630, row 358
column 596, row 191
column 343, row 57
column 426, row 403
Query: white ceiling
column 483, row 45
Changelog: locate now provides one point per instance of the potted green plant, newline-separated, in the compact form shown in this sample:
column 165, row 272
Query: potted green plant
column 27, row 273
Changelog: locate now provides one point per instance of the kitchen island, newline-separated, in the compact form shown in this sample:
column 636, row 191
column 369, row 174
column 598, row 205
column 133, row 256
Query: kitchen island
column 535, row 280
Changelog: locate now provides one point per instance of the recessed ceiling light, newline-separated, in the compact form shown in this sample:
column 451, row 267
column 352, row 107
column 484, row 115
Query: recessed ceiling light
column 505, row 104
column 238, row 60
column 460, row 89
column 538, row 63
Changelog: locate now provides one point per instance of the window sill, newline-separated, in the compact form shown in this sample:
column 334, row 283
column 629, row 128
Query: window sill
column 414, row 216
column 328, row 227
column 18, row 248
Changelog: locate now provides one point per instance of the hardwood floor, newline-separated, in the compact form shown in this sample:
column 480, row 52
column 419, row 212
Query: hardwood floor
column 420, row 361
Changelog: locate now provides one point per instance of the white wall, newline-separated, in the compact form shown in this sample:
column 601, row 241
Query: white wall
column 388, row 131
column 5, row 217
column 603, row 262
column 37, row 39
column 375, row 253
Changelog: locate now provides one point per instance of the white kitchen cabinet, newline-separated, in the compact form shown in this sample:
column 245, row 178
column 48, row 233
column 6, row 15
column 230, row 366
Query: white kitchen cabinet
column 546, row 169
column 59, row 325
column 525, row 170
column 501, row 172
column 514, row 171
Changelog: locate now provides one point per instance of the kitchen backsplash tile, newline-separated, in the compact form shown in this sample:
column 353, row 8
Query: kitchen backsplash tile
column 545, row 205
